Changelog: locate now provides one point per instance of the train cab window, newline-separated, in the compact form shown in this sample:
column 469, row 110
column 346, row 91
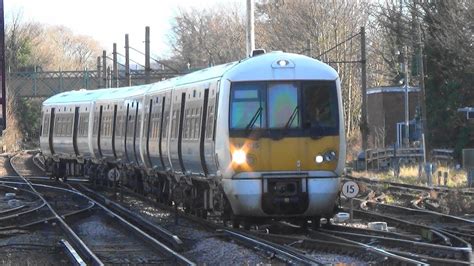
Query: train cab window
column 247, row 109
column 283, row 105
column 320, row 106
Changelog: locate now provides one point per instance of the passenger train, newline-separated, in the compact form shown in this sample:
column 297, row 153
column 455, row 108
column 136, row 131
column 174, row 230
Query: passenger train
column 262, row 138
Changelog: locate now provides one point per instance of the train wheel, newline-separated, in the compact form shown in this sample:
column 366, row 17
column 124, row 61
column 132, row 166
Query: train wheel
column 328, row 223
column 303, row 224
column 246, row 225
column 235, row 223
column 316, row 222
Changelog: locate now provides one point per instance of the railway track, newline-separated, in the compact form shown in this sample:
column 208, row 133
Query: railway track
column 281, row 253
column 402, row 186
column 454, row 225
column 101, row 236
column 311, row 247
column 369, row 246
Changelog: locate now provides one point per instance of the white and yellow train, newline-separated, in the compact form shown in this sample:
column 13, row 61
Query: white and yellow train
column 261, row 138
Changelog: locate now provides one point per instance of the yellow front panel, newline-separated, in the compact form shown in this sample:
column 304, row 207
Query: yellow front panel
column 287, row 154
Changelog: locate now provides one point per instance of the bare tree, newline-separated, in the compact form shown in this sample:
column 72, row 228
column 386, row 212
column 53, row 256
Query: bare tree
column 59, row 48
column 207, row 37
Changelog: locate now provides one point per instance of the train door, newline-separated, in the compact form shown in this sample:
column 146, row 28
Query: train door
column 148, row 131
column 162, row 136
column 210, row 131
column 114, row 124
column 51, row 130
column 99, row 126
column 175, row 138
column 203, row 133
column 75, row 129
column 136, row 133
column 180, row 132
column 127, row 131
column 165, row 130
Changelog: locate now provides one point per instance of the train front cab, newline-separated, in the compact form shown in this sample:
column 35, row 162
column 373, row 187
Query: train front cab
column 287, row 148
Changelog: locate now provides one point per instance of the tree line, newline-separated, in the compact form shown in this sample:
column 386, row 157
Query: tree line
column 395, row 30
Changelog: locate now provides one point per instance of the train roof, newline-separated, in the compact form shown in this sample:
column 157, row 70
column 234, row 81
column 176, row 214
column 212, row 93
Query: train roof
column 76, row 96
column 270, row 66
column 124, row 92
column 281, row 66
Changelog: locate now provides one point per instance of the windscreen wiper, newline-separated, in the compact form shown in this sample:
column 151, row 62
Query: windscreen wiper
column 292, row 117
column 254, row 119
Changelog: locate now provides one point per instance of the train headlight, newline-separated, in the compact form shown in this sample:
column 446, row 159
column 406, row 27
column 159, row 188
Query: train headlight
column 326, row 157
column 329, row 156
column 319, row 159
column 239, row 157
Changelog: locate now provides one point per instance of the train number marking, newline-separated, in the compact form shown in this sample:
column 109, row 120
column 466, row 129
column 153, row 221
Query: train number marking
column 350, row 189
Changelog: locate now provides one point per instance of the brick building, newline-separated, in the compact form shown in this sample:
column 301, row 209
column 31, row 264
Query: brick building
column 386, row 108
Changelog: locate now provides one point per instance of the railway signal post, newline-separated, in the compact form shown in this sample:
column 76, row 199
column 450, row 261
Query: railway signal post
column 350, row 190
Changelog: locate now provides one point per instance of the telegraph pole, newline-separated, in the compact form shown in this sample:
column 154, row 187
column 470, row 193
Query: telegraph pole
column 421, row 84
column 115, row 79
column 3, row 99
column 407, row 95
column 104, row 67
column 147, row 54
column 99, row 71
column 250, row 27
column 127, row 62
column 364, row 123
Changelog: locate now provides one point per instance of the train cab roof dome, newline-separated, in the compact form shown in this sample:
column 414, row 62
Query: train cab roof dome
column 280, row 65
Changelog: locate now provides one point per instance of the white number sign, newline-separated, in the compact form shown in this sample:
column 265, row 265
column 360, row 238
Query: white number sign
column 350, row 189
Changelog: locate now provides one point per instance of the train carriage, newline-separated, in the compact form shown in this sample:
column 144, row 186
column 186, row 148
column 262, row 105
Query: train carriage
column 262, row 138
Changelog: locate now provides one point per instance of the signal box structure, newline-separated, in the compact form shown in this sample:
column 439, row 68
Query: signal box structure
column 385, row 110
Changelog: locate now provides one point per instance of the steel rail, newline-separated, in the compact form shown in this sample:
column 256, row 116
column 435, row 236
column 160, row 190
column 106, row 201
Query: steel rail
column 72, row 253
column 329, row 243
column 218, row 227
column 292, row 256
column 427, row 231
column 7, row 211
column 162, row 248
column 213, row 226
column 393, row 257
column 42, row 221
column 393, row 243
column 161, row 232
column 452, row 227
column 180, row 259
column 77, row 242
column 371, row 232
column 466, row 191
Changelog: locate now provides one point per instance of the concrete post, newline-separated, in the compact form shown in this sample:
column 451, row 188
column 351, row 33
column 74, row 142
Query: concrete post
column 104, row 68
column 364, row 123
column 115, row 78
column 128, row 80
column 250, row 36
column 99, row 72
column 147, row 54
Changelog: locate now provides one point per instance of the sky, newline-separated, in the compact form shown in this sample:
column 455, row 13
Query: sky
column 108, row 21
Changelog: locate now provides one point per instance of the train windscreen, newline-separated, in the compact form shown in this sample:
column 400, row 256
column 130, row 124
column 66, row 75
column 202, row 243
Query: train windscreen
column 302, row 107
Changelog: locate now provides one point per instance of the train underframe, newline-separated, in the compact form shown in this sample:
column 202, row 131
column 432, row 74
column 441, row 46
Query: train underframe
column 195, row 196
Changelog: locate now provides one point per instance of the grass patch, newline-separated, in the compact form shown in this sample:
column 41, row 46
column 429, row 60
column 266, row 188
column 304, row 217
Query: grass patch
column 410, row 175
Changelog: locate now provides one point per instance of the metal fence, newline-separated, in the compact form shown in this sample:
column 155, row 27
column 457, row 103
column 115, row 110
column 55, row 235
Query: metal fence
column 48, row 83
